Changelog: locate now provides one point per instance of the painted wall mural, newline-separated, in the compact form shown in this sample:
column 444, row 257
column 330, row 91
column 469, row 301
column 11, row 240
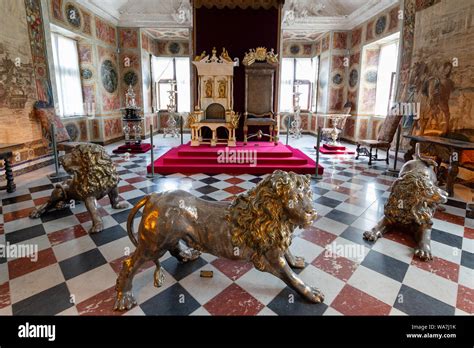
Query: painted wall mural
column 442, row 78
column 128, row 37
column 17, row 76
column 105, row 32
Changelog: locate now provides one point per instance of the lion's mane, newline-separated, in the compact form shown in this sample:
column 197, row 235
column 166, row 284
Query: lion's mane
column 92, row 170
column 413, row 199
column 258, row 216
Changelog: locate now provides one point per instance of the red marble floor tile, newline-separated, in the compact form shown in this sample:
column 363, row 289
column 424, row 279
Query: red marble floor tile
column 67, row 234
column 235, row 190
column 234, row 301
column 352, row 301
column 2, row 229
column 318, row 236
column 360, row 168
column 117, row 265
column 85, row 216
column 232, row 269
column 440, row 267
column 100, row 304
column 455, row 219
column 5, row 295
column 126, row 188
column 229, row 199
column 106, row 201
column 402, row 237
column 15, row 215
column 465, row 300
column 41, row 200
column 135, row 180
column 336, row 265
column 468, row 233
column 234, row 181
column 22, row 266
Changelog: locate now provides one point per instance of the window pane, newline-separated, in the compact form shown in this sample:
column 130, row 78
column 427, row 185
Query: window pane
column 304, row 69
column 183, row 80
column 286, row 89
column 162, row 68
column 163, row 95
column 387, row 66
column 304, row 89
column 68, row 78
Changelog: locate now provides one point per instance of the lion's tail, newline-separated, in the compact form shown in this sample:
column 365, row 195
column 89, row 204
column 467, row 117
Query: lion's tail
column 131, row 216
column 428, row 161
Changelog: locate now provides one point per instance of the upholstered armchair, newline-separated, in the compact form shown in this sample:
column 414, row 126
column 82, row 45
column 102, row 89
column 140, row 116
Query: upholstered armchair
column 383, row 141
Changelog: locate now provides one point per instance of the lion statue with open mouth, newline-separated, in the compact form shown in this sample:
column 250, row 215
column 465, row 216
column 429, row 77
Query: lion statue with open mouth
column 94, row 176
column 256, row 226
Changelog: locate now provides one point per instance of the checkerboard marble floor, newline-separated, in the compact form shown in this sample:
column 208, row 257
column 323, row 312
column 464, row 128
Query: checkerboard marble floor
column 75, row 272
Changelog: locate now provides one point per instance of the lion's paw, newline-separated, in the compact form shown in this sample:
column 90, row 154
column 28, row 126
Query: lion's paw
column 159, row 277
column 35, row 214
column 298, row 262
column 316, row 295
column 371, row 236
column 424, row 254
column 124, row 301
column 189, row 255
column 96, row 228
column 120, row 205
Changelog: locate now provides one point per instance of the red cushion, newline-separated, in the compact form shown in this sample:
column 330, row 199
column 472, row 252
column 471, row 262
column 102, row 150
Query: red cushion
column 47, row 116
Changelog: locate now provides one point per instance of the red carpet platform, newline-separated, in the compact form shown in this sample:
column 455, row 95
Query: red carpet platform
column 254, row 158
column 133, row 148
column 334, row 150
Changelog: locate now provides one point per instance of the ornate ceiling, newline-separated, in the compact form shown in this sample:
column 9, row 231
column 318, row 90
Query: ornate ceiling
column 143, row 13
column 304, row 16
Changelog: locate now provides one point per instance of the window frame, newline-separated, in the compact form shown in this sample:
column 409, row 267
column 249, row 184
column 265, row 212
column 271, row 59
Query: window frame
column 60, row 109
column 312, row 90
column 157, row 107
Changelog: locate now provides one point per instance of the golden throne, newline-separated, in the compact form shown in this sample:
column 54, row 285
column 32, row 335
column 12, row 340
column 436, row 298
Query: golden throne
column 215, row 99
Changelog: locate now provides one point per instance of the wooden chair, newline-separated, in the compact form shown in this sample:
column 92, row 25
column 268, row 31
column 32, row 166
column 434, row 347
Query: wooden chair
column 383, row 141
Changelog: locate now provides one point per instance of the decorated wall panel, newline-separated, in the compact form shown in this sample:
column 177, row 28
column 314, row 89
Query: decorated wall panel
column 23, row 77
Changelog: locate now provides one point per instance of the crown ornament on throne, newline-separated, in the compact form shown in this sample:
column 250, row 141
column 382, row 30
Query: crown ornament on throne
column 260, row 54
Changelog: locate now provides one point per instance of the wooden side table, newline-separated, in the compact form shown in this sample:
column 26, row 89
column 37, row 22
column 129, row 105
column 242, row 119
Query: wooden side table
column 6, row 156
column 448, row 150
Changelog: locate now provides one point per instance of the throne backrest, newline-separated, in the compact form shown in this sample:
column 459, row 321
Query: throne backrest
column 259, row 89
column 215, row 111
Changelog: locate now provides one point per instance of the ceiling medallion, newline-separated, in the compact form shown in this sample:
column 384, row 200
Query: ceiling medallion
column 260, row 54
